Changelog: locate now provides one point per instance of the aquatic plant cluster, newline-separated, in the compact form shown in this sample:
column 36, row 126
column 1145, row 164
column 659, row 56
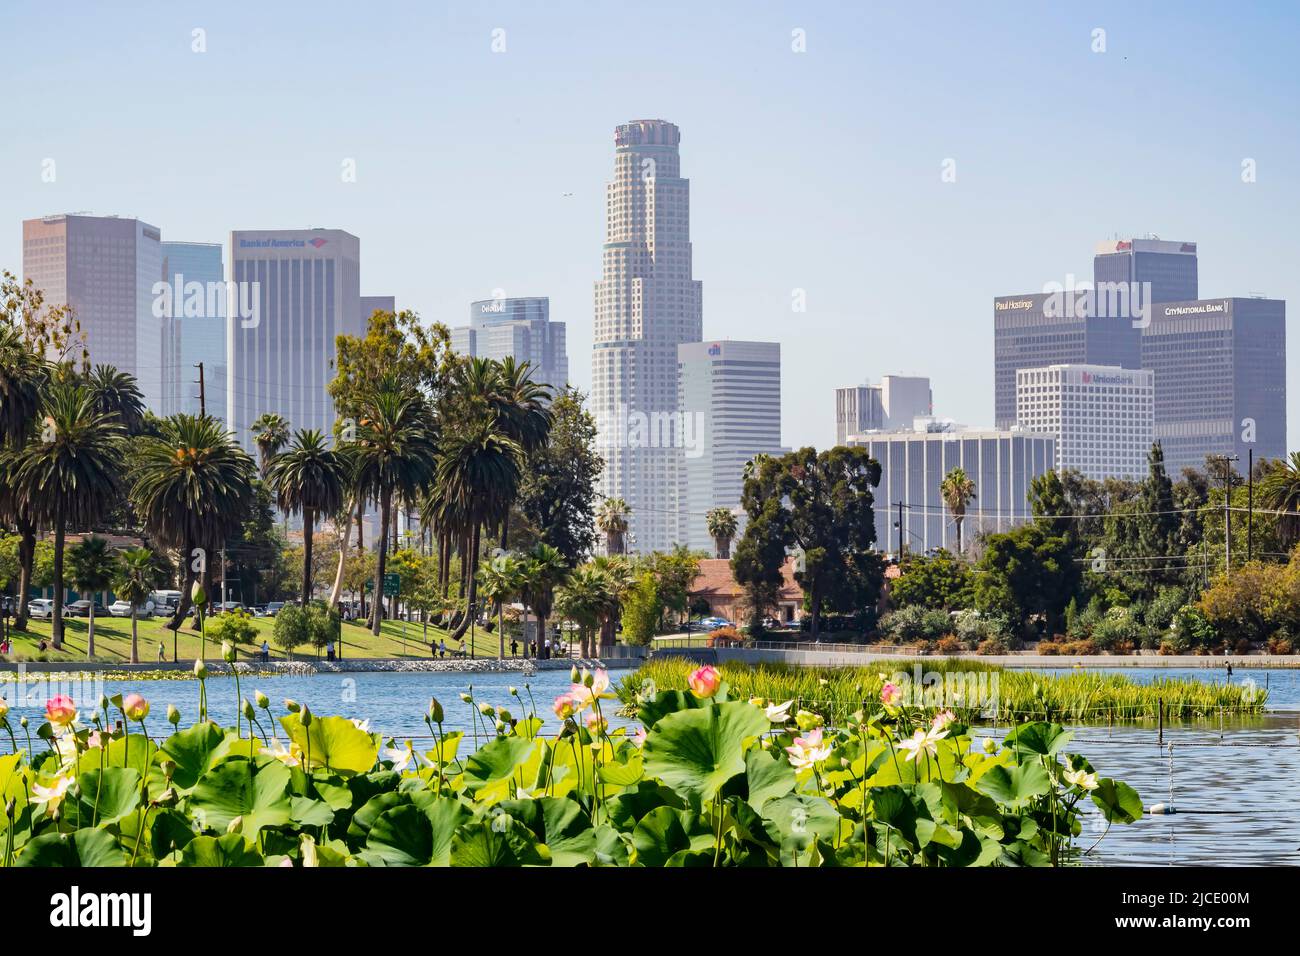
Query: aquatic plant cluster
column 974, row 690
column 709, row 779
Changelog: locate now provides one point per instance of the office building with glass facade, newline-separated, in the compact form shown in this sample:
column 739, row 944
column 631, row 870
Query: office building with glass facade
column 518, row 327
column 196, row 328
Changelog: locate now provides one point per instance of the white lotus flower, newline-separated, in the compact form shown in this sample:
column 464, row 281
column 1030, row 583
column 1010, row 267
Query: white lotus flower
column 923, row 741
column 52, row 795
column 1081, row 778
column 277, row 750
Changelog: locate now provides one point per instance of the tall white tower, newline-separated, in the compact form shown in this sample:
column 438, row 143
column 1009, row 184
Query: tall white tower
column 646, row 305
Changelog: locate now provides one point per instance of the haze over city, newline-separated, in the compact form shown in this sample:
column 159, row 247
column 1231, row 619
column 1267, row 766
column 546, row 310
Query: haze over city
column 819, row 170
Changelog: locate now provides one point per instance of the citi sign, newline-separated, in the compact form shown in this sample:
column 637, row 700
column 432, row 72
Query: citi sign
column 715, row 349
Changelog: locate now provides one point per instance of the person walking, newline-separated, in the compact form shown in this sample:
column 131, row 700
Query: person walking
column 162, row 652
column 329, row 651
column 266, row 651
column 442, row 648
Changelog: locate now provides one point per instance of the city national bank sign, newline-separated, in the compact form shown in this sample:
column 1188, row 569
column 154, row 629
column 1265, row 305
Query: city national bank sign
column 281, row 243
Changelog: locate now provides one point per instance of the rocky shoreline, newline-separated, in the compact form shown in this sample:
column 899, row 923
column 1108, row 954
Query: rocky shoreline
column 305, row 668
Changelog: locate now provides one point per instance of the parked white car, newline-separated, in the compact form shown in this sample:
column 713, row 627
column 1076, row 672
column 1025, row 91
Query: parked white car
column 43, row 609
column 123, row 609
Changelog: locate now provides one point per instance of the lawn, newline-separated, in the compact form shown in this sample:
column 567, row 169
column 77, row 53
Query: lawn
column 113, row 641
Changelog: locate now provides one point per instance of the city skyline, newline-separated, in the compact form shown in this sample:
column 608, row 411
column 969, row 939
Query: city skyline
column 829, row 231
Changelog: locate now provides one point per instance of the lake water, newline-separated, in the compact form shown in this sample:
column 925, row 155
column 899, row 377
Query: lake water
column 1234, row 786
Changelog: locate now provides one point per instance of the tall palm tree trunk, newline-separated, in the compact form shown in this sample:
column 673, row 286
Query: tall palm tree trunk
column 56, row 627
column 90, row 631
column 26, row 560
column 501, row 629
column 385, row 505
column 308, row 519
column 135, row 635
column 470, row 563
column 336, row 589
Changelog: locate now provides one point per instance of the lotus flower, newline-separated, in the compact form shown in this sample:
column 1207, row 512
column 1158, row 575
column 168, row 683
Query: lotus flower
column 891, row 695
column 923, row 741
column 638, row 738
column 277, row 750
column 1082, row 779
column 778, row 713
column 808, row 750
column 402, row 757
column 60, row 710
column 52, row 795
column 135, row 707
column 565, row 706
column 704, row 682
column 4, row 708
column 591, row 687
column 597, row 724
column 943, row 719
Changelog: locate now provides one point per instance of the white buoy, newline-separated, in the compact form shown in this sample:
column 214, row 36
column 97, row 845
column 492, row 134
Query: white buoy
column 1158, row 809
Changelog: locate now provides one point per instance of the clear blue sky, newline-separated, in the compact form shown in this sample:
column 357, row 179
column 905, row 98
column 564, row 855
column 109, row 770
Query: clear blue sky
column 818, row 171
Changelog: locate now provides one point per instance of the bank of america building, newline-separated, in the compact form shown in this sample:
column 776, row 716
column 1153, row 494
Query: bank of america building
column 307, row 287
column 1001, row 463
column 1220, row 379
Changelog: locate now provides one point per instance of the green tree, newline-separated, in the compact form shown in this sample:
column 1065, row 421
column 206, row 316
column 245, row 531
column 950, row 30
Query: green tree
column 270, row 434
column 1025, row 572
column 498, row 581
column 611, row 520
column 585, row 599
column 117, row 395
column 92, row 567
column 308, row 479
column 544, row 572
column 722, row 525
column 957, row 491
column 1279, row 490
column 136, row 578
column 558, row 493
column 69, row 473
column 642, row 610
column 292, row 628
column 192, row 486
column 940, row 581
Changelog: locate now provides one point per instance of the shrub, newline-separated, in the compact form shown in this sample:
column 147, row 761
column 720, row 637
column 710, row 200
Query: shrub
column 322, row 624
column 1243, row 646
column 234, row 626
column 992, row 645
column 1281, row 643
column 911, row 624
column 949, row 645
column 291, row 628
column 725, row 637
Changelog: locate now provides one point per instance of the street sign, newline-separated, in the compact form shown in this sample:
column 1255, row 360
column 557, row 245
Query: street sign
column 392, row 584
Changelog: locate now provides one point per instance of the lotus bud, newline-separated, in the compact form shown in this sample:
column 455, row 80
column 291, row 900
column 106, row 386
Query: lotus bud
column 247, row 710
column 504, row 715
column 22, row 722
column 588, row 678
column 262, row 700
column 168, row 767
column 292, row 706
column 466, row 698
column 990, row 745
column 514, row 691
column 167, row 798
column 435, row 710
column 228, row 653
column 305, row 715
column 200, row 670
column 234, row 825
column 103, row 702
column 173, row 715
column 9, row 808
column 486, row 709
column 4, row 708
column 573, row 674
column 501, row 727
column 135, row 707
column 198, row 595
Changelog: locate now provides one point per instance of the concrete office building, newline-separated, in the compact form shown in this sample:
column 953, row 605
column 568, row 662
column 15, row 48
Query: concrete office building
column 106, row 269
column 1090, row 324
column 296, row 291
column 890, row 406
column 372, row 303
column 196, row 328
column 1220, row 379
column 1102, row 417
column 521, row 328
column 730, row 393
column 1002, row 463
column 646, row 305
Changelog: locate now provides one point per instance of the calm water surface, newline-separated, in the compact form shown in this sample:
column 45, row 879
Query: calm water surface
column 1234, row 785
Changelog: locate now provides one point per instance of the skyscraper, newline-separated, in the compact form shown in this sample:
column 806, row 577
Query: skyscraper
column 1220, row 379
column 646, row 304
column 1101, row 416
column 196, row 328
column 731, row 411
column 296, row 291
column 1101, row 325
column 890, row 406
column 105, row 268
column 521, row 328
column 371, row 303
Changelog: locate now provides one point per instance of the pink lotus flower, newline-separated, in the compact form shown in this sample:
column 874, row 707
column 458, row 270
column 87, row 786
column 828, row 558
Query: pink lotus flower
column 135, row 707
column 60, row 710
column 638, row 738
column 596, row 724
column 96, row 739
column 584, row 696
column 891, row 695
column 565, row 706
column 808, row 750
column 704, row 682
column 943, row 719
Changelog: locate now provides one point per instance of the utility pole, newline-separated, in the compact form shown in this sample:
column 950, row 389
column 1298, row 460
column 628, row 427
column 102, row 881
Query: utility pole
column 1250, row 503
column 203, row 403
column 900, row 534
column 224, row 596
column 1227, row 508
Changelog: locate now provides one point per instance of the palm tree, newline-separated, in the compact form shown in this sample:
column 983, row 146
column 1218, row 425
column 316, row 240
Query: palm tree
column 117, row 395
column 271, row 433
column 395, row 454
column 310, row 478
column 957, row 491
column 24, row 374
column 522, row 412
column 192, row 486
column 611, row 519
column 583, row 600
column 479, row 470
column 70, row 473
column 499, row 580
column 92, row 565
column 619, row 578
column 722, row 528
column 1279, row 490
column 135, row 580
column 546, row 571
